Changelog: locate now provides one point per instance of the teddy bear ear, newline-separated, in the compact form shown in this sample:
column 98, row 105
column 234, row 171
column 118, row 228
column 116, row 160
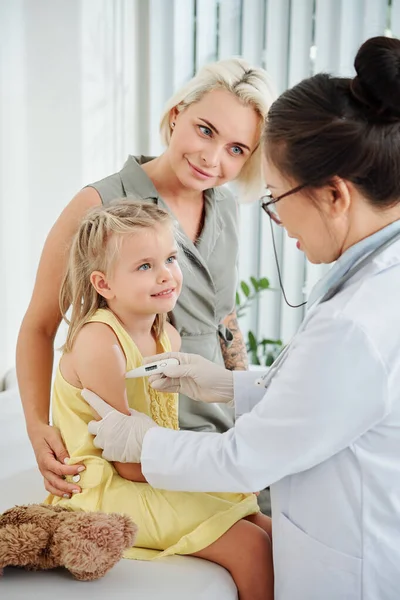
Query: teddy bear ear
column 90, row 544
column 130, row 530
column 16, row 515
column 124, row 524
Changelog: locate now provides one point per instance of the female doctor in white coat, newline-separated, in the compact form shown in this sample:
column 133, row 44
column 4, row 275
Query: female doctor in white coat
column 323, row 429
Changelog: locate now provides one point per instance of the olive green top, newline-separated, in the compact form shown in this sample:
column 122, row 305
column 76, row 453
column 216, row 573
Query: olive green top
column 209, row 280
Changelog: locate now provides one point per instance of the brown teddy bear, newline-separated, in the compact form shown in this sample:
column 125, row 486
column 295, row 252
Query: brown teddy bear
column 39, row 536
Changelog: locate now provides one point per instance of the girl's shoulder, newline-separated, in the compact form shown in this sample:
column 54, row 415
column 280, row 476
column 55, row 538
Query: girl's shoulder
column 93, row 337
column 92, row 351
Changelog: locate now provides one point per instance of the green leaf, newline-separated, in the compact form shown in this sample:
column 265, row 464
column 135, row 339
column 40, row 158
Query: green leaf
column 245, row 289
column 263, row 283
column 237, row 299
column 270, row 360
column 271, row 342
column 253, row 345
column 255, row 283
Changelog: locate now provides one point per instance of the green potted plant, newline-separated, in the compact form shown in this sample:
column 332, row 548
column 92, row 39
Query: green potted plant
column 261, row 351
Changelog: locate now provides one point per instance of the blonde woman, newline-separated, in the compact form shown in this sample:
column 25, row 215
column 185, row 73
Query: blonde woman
column 212, row 130
column 122, row 278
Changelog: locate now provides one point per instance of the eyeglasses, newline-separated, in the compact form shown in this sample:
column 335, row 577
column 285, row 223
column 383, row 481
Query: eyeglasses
column 268, row 202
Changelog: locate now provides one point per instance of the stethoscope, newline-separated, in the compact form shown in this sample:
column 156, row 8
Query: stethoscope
column 333, row 290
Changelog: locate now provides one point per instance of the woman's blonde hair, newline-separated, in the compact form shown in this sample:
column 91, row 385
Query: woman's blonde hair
column 95, row 247
column 251, row 85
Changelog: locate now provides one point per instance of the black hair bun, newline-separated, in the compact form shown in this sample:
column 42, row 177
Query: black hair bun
column 377, row 84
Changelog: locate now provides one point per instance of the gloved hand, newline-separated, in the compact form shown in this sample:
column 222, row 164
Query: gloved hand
column 195, row 377
column 120, row 436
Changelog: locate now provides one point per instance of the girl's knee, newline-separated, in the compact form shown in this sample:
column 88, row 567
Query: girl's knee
column 258, row 542
column 252, row 567
column 242, row 544
column 245, row 550
column 251, row 548
column 261, row 521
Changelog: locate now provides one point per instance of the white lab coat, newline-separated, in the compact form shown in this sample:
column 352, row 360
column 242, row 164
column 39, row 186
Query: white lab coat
column 326, row 436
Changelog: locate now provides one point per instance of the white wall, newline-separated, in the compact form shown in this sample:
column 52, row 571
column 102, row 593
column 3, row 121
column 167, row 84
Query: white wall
column 71, row 80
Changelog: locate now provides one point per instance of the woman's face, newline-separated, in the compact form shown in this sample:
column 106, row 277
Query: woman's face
column 212, row 139
column 319, row 225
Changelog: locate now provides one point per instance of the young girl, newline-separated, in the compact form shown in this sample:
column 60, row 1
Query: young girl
column 122, row 279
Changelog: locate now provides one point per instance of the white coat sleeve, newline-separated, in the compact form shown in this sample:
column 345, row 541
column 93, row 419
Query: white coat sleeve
column 246, row 393
column 331, row 388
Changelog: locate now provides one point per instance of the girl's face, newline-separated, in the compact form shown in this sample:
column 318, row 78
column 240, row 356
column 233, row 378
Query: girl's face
column 321, row 226
column 212, row 139
column 146, row 278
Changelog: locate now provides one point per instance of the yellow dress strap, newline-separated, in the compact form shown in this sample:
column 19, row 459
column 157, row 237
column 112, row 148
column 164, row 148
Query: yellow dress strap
column 131, row 351
column 132, row 354
column 165, row 342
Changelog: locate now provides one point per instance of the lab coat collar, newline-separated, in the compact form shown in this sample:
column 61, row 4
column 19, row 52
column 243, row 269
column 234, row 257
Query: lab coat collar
column 349, row 259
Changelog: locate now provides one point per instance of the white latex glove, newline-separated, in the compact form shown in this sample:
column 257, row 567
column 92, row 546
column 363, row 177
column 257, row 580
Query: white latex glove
column 195, row 377
column 120, row 436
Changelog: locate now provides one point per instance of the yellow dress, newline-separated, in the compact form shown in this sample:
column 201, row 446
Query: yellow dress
column 169, row 522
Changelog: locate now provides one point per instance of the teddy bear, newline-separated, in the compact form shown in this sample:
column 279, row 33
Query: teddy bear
column 40, row 536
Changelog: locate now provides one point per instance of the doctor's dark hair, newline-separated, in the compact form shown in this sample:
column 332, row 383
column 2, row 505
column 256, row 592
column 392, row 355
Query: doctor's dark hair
column 329, row 126
column 95, row 247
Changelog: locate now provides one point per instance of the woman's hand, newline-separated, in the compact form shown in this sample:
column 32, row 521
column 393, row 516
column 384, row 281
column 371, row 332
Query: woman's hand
column 120, row 436
column 195, row 377
column 50, row 454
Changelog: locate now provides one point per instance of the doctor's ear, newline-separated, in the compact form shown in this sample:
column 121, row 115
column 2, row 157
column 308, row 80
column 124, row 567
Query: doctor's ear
column 337, row 196
column 100, row 284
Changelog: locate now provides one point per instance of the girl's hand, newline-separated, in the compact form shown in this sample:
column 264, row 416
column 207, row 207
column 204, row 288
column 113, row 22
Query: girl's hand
column 50, row 455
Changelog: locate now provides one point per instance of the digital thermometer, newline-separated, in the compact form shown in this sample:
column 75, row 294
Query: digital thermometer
column 151, row 368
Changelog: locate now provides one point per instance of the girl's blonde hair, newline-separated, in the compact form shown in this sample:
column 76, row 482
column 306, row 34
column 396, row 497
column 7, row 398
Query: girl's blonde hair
column 252, row 86
column 95, row 247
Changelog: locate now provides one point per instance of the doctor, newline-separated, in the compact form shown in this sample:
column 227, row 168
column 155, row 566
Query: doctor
column 323, row 429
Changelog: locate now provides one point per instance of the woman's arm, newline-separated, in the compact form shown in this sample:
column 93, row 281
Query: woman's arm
column 35, row 345
column 235, row 355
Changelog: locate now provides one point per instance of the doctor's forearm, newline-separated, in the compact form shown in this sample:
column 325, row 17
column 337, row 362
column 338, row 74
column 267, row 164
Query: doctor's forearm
column 215, row 464
column 235, row 355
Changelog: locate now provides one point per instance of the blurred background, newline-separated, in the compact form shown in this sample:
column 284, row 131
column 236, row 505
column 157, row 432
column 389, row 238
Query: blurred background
column 83, row 84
